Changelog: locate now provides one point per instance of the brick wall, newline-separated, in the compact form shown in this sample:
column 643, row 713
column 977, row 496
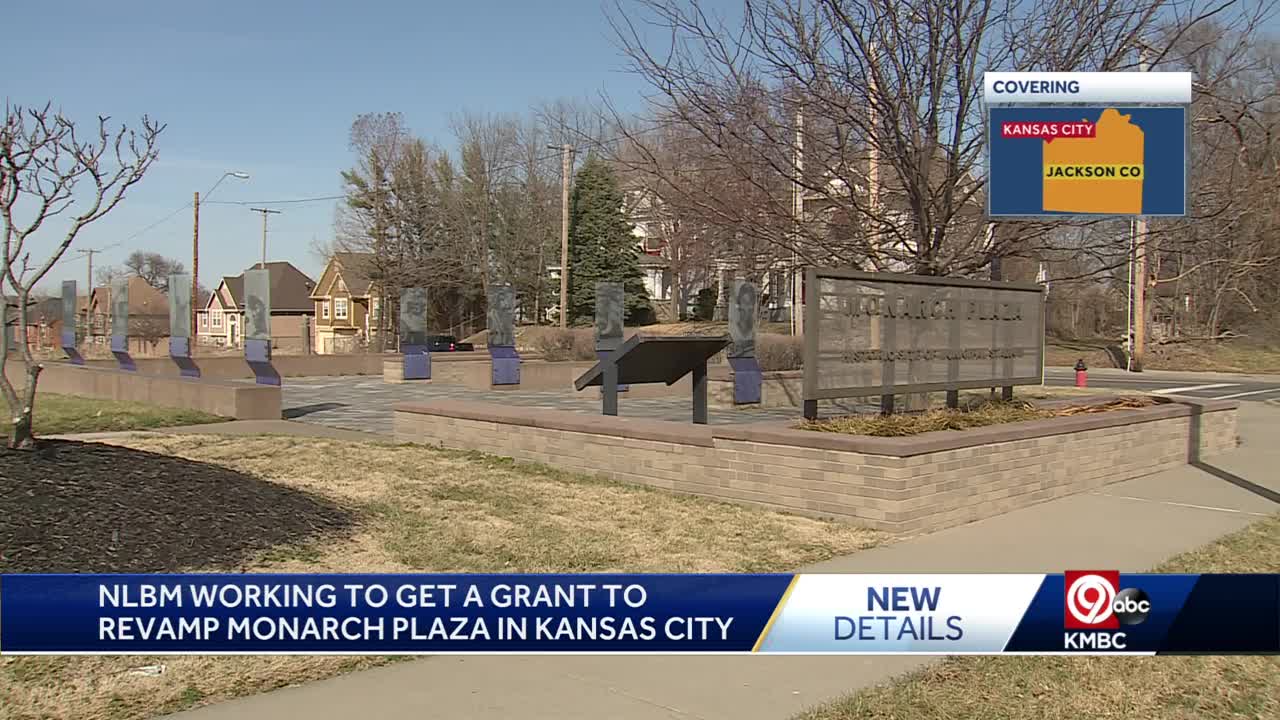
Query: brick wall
column 242, row 401
column 904, row 485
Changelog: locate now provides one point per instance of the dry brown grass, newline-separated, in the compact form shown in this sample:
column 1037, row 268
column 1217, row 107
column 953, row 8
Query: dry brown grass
column 425, row 510
column 555, row 344
column 981, row 414
column 1159, row 688
column 1238, row 357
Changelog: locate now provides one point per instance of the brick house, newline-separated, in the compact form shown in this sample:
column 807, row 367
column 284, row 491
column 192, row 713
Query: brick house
column 345, row 304
column 148, row 316
column 221, row 321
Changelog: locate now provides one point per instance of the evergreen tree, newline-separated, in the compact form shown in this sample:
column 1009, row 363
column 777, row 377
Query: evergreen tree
column 602, row 247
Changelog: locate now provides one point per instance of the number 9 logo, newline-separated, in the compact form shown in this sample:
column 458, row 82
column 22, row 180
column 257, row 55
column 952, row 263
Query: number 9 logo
column 1090, row 599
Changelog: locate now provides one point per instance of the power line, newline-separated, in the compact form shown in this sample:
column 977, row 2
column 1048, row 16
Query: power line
column 274, row 202
column 155, row 224
column 68, row 258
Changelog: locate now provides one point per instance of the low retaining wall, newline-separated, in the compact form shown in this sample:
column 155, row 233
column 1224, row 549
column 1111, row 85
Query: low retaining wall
column 903, row 485
column 236, row 400
column 234, row 367
column 536, row 375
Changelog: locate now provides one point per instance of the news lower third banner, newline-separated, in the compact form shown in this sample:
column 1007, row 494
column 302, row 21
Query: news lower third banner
column 1077, row 612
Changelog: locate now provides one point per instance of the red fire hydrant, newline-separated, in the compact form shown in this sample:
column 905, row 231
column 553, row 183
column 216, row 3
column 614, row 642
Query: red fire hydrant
column 1082, row 374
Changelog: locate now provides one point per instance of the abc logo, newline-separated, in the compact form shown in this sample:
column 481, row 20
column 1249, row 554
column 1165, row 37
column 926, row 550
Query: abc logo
column 1131, row 606
column 1094, row 601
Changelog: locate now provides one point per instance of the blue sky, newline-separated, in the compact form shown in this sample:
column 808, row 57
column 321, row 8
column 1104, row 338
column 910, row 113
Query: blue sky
column 270, row 88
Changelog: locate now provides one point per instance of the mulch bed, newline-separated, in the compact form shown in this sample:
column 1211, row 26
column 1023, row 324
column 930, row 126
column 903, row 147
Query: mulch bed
column 88, row 507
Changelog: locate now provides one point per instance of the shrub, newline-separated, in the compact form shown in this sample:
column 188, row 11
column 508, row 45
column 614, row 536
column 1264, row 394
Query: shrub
column 567, row 344
column 779, row 352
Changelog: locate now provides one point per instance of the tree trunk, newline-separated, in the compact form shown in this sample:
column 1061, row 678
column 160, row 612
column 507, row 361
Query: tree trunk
column 676, row 305
column 20, row 435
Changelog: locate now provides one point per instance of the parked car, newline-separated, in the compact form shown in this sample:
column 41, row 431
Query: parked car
column 447, row 343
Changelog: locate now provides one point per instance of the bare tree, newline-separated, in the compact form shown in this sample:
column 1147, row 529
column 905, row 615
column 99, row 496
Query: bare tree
column 700, row 213
column 106, row 275
column 153, row 267
column 365, row 222
column 1219, row 267
column 44, row 162
column 872, row 110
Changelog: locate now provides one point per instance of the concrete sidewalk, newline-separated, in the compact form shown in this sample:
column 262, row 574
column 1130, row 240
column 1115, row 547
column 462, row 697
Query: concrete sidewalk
column 1129, row 526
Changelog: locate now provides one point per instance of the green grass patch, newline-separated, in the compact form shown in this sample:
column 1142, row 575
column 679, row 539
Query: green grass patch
column 1065, row 688
column 60, row 414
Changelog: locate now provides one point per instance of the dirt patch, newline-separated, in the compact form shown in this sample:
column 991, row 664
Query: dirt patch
column 981, row 414
column 90, row 507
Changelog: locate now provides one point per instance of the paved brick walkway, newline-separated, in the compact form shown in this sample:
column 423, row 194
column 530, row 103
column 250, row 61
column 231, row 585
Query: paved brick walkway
column 364, row 403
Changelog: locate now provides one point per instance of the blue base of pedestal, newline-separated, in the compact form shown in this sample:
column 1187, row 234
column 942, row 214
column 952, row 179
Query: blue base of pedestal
column 180, row 352
column 505, row 363
column 69, row 347
column 258, row 354
column 120, row 348
column 417, row 362
column 747, row 380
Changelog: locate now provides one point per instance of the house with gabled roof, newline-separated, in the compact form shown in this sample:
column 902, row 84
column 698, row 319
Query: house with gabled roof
column 221, row 321
column 148, row 314
column 346, row 303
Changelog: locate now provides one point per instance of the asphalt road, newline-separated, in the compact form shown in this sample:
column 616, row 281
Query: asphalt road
column 1206, row 385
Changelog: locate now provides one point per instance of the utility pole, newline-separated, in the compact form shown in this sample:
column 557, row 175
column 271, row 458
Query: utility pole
column 195, row 253
column 1139, row 270
column 797, row 209
column 88, row 301
column 265, row 212
column 195, row 271
column 566, row 152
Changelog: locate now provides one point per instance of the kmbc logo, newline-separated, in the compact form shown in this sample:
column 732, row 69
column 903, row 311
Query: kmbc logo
column 1094, row 601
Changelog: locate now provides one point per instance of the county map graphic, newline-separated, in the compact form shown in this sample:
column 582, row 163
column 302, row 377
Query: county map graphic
column 1089, row 166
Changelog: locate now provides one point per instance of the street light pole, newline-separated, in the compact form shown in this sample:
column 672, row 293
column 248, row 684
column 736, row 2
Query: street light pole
column 1137, row 353
column 195, row 270
column 195, row 251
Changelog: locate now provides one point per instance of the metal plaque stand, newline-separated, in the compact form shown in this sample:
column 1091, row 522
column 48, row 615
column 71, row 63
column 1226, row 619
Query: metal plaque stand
column 180, row 330
column 610, row 309
column 414, row 350
column 120, row 324
column 664, row 359
column 257, row 326
column 748, row 379
column 503, row 358
column 69, row 320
